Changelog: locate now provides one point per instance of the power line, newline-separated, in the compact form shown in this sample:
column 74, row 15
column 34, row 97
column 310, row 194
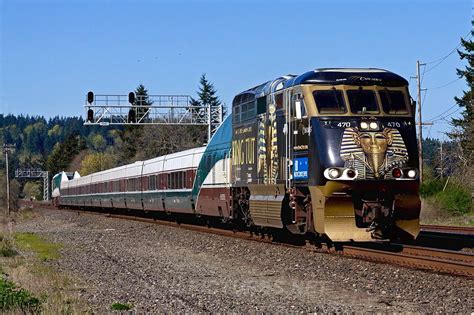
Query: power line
column 444, row 85
column 424, row 95
column 439, row 61
column 445, row 114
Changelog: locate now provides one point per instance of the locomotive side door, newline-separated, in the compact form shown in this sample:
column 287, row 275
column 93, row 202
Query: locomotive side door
column 296, row 131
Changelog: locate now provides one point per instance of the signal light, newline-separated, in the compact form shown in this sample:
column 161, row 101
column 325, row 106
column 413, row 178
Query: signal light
column 90, row 115
column 131, row 97
column 131, row 116
column 90, row 97
column 364, row 125
column 397, row 173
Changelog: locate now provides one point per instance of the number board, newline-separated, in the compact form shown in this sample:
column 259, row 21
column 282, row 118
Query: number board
column 300, row 168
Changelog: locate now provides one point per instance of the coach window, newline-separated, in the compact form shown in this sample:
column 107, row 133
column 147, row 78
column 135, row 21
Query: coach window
column 151, row 182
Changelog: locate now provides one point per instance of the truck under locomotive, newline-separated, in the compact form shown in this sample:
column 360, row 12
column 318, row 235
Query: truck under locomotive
column 331, row 152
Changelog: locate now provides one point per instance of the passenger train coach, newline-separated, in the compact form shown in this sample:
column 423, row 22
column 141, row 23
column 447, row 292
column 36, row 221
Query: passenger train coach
column 331, row 152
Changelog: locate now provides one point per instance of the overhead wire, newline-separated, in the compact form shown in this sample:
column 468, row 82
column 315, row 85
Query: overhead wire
column 444, row 85
column 439, row 61
column 446, row 113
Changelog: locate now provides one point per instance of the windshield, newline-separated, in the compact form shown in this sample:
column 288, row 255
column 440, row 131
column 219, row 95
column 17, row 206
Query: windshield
column 393, row 102
column 329, row 101
column 362, row 101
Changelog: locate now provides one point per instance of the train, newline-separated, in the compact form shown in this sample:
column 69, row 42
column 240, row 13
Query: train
column 330, row 153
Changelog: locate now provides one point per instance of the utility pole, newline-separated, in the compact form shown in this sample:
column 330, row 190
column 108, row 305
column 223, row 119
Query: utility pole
column 6, row 149
column 441, row 159
column 420, row 134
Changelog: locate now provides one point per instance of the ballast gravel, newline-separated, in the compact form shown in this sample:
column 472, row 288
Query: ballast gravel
column 166, row 269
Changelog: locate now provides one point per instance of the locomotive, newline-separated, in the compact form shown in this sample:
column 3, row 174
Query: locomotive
column 329, row 153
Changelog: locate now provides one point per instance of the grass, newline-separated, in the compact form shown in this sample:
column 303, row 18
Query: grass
column 121, row 306
column 433, row 213
column 14, row 298
column 6, row 246
column 32, row 242
column 27, row 278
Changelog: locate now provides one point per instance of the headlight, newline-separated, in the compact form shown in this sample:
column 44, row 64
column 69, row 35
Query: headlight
column 374, row 126
column 411, row 173
column 334, row 173
column 364, row 125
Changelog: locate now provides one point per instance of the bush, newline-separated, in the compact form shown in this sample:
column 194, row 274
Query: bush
column 6, row 247
column 431, row 187
column 455, row 199
column 12, row 298
column 121, row 307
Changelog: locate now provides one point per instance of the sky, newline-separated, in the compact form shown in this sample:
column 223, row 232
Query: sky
column 53, row 52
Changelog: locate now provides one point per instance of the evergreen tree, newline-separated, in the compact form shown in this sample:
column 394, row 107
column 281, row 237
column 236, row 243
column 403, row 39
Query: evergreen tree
column 207, row 93
column 143, row 101
column 64, row 152
column 464, row 126
column 196, row 107
column 208, row 98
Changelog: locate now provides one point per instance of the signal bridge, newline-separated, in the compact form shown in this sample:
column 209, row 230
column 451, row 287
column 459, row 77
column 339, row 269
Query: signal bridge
column 131, row 109
column 34, row 174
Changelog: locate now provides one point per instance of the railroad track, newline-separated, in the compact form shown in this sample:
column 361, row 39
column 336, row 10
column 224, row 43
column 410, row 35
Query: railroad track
column 463, row 230
column 417, row 257
column 437, row 260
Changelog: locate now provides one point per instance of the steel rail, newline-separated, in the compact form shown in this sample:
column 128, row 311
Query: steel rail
column 428, row 259
column 409, row 259
column 448, row 229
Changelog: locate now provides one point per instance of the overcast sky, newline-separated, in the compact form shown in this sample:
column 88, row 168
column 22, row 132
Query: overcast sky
column 53, row 52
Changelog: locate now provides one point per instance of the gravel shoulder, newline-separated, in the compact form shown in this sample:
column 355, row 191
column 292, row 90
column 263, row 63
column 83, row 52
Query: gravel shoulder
column 166, row 269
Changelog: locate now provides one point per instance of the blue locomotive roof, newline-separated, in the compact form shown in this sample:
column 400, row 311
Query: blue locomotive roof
column 330, row 76
column 353, row 76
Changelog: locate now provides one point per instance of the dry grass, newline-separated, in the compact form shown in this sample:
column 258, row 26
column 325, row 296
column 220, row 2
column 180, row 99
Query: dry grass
column 432, row 214
column 57, row 291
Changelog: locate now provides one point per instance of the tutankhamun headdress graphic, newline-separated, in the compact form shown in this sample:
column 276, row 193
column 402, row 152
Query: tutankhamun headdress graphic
column 373, row 153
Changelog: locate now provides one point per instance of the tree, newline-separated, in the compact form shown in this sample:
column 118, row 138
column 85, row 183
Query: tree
column 464, row 126
column 98, row 142
column 143, row 101
column 63, row 153
column 207, row 93
column 210, row 102
column 96, row 162
column 33, row 189
column 14, row 191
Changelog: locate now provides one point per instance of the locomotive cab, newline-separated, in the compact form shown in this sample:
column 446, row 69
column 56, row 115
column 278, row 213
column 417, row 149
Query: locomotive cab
column 331, row 152
column 363, row 155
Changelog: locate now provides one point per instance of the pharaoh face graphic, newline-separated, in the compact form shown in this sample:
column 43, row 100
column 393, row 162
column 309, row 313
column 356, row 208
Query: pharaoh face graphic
column 374, row 145
column 373, row 153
